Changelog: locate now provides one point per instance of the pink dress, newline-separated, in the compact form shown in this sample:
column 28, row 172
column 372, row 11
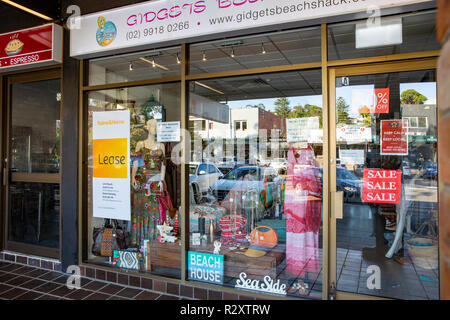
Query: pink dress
column 303, row 216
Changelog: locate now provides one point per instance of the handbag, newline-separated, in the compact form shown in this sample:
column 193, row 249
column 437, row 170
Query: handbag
column 122, row 236
column 164, row 204
column 264, row 236
column 109, row 238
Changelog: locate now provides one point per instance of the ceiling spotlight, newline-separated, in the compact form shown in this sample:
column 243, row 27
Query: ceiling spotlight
column 263, row 50
column 204, row 56
column 178, row 59
column 131, row 66
column 154, row 64
column 232, row 52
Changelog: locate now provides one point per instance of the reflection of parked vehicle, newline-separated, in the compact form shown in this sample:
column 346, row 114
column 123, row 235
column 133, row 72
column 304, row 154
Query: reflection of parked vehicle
column 430, row 170
column 228, row 164
column 194, row 193
column 359, row 170
column 406, row 169
column 349, row 183
column 256, row 178
column 203, row 175
column 279, row 164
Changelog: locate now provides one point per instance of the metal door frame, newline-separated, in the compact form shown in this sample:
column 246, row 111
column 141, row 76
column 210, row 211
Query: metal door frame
column 9, row 177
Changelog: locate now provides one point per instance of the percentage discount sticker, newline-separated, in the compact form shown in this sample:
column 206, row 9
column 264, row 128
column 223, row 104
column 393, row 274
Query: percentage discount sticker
column 382, row 98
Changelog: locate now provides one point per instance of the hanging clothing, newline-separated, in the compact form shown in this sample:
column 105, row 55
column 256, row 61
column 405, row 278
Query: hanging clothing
column 145, row 208
column 303, row 209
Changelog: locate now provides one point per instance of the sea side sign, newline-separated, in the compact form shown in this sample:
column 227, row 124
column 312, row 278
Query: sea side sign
column 33, row 47
column 111, row 162
column 382, row 186
column 128, row 28
column 268, row 285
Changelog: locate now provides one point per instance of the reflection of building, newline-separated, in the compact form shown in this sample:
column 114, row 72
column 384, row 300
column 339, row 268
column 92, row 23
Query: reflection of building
column 244, row 123
column 422, row 130
column 421, row 120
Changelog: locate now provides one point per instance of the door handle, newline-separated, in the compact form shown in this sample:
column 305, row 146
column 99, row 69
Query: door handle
column 337, row 203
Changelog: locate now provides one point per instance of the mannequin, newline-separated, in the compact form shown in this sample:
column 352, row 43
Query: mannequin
column 147, row 174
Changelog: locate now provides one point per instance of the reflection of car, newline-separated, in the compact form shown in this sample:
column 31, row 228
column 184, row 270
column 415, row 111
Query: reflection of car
column 430, row 170
column 203, row 175
column 279, row 164
column 246, row 162
column 228, row 164
column 256, row 178
column 406, row 170
column 224, row 170
column 194, row 193
column 359, row 170
column 349, row 183
column 339, row 164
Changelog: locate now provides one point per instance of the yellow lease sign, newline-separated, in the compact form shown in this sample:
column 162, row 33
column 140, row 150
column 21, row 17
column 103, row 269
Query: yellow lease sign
column 110, row 158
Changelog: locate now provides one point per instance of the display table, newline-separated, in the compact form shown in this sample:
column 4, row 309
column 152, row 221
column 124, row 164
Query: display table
column 168, row 255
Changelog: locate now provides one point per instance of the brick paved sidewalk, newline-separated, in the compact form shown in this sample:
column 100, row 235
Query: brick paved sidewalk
column 20, row 282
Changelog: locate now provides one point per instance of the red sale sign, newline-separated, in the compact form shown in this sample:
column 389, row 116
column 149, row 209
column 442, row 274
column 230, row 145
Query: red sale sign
column 394, row 137
column 382, row 100
column 35, row 46
column 382, row 186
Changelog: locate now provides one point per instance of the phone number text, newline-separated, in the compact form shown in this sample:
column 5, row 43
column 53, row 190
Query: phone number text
column 148, row 32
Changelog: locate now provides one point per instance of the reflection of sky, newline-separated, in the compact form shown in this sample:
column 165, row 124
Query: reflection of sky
column 428, row 89
column 270, row 106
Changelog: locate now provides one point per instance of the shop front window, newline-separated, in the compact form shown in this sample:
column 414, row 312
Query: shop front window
column 144, row 65
column 269, row 50
column 133, row 215
column 257, row 218
column 383, row 36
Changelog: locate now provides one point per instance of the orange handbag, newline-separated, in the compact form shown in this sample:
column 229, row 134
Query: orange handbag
column 264, row 236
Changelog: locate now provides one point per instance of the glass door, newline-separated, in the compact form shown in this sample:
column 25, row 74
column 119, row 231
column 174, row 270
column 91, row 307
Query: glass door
column 384, row 181
column 32, row 163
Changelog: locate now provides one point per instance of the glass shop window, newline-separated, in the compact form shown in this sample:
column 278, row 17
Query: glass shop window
column 390, row 35
column 257, row 213
column 151, row 64
column 269, row 50
column 134, row 183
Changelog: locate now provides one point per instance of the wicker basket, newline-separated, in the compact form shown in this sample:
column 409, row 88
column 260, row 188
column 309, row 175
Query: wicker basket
column 423, row 250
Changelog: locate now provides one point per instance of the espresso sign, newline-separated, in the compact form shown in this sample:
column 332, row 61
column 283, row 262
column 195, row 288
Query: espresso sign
column 382, row 186
column 40, row 46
